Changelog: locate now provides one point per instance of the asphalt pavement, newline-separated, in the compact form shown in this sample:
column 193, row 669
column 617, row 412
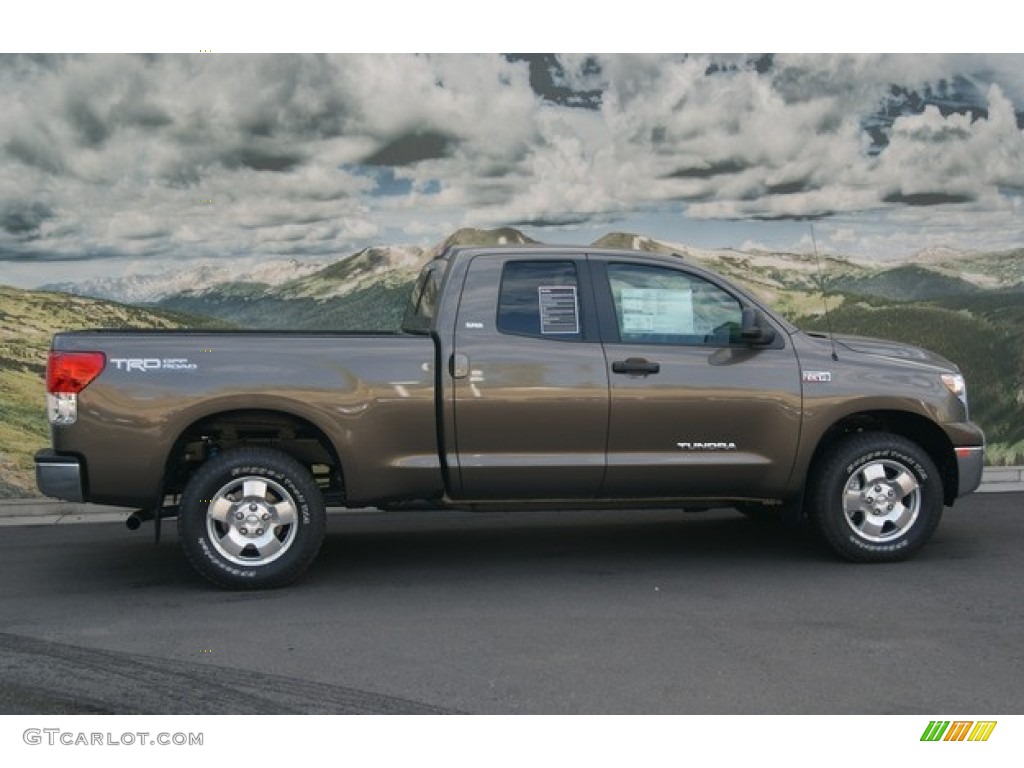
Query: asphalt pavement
column 527, row 612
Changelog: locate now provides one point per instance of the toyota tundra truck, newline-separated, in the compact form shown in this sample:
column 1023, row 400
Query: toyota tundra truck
column 522, row 376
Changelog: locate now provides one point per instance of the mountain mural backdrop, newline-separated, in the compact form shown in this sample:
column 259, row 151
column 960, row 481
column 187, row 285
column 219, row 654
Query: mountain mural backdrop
column 968, row 307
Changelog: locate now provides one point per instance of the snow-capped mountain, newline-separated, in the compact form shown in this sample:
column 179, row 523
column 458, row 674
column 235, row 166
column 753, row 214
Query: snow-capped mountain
column 388, row 264
column 197, row 276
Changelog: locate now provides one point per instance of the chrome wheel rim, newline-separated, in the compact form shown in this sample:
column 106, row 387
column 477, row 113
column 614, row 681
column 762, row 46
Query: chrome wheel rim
column 252, row 521
column 881, row 500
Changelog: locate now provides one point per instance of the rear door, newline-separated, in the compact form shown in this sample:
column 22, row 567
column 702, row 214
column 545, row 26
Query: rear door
column 694, row 410
column 530, row 381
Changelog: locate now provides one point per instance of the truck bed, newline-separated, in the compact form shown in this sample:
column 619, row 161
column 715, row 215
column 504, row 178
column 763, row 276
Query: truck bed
column 372, row 394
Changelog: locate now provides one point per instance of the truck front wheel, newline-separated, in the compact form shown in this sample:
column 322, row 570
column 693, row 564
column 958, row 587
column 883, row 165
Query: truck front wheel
column 875, row 497
column 251, row 518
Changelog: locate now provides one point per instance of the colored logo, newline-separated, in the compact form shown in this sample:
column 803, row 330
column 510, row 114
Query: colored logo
column 958, row 730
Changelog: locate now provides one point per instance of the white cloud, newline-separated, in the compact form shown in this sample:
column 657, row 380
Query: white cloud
column 932, row 153
column 107, row 156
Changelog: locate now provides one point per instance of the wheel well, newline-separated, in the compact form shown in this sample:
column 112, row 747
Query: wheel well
column 918, row 429
column 285, row 432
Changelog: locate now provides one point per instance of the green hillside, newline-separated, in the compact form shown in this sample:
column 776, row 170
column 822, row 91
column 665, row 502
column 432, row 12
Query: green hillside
column 981, row 334
column 1002, row 268
column 904, row 283
column 28, row 319
column 377, row 307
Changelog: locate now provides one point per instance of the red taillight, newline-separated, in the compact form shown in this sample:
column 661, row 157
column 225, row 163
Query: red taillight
column 68, row 373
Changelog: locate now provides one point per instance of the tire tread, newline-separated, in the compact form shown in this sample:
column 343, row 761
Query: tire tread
column 829, row 475
column 192, row 519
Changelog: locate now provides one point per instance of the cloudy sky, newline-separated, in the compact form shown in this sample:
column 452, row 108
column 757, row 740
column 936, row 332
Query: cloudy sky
column 112, row 164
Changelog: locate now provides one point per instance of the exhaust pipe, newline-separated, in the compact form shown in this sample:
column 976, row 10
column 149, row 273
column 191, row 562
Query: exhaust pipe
column 140, row 516
column 136, row 518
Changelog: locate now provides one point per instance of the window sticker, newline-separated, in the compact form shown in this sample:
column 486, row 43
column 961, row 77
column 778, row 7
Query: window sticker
column 657, row 310
column 559, row 309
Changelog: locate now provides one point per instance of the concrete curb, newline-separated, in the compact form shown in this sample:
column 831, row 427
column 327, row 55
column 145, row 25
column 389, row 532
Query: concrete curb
column 51, row 512
column 1005, row 479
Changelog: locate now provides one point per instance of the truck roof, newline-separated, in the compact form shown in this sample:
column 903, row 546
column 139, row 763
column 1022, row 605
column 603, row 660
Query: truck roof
column 529, row 248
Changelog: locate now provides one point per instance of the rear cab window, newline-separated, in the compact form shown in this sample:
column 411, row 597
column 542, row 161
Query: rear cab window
column 540, row 299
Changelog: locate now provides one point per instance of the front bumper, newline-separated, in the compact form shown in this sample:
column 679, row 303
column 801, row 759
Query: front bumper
column 59, row 475
column 970, row 462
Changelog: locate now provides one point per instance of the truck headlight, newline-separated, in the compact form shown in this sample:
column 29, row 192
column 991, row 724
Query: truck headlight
column 955, row 383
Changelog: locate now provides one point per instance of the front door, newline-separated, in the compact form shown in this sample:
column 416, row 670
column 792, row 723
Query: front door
column 694, row 410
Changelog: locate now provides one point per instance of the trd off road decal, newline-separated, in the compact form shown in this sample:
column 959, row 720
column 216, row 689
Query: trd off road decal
column 146, row 364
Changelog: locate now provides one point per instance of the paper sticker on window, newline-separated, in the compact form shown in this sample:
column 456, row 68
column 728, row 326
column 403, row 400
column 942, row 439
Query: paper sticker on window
column 657, row 310
column 559, row 309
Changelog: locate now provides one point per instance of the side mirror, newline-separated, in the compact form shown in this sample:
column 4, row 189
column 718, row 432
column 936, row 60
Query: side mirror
column 755, row 331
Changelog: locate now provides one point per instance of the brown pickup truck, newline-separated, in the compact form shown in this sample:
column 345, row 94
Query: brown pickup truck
column 522, row 376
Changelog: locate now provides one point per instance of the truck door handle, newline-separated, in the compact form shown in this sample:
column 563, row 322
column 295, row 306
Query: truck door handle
column 458, row 366
column 635, row 365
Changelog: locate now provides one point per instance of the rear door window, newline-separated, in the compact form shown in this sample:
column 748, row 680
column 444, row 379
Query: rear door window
column 540, row 299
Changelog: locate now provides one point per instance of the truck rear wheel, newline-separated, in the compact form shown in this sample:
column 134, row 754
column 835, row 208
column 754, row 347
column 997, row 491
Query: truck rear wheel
column 251, row 518
column 875, row 497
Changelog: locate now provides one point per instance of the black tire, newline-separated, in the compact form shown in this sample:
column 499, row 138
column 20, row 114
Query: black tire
column 251, row 518
column 875, row 497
